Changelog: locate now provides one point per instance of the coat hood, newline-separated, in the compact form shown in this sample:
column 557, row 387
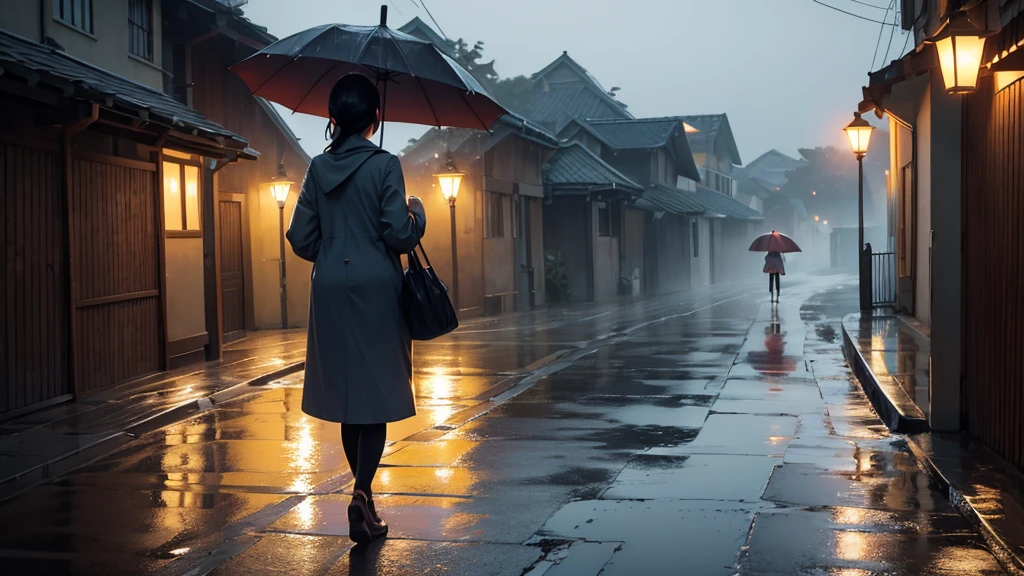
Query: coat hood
column 333, row 168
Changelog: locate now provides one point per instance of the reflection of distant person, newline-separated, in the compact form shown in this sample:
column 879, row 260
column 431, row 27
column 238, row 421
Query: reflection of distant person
column 774, row 267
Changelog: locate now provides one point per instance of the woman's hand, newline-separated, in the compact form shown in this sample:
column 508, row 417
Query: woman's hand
column 418, row 213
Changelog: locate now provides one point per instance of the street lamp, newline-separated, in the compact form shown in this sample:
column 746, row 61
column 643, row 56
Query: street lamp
column 280, row 187
column 960, row 45
column 859, row 133
column 450, row 181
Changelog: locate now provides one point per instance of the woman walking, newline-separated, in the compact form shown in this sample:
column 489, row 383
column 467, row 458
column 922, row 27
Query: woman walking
column 774, row 267
column 353, row 222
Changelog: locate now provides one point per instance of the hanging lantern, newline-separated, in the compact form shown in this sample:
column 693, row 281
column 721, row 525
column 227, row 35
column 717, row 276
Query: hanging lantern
column 960, row 45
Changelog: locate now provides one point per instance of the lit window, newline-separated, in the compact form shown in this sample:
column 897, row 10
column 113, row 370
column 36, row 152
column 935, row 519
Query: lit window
column 181, row 197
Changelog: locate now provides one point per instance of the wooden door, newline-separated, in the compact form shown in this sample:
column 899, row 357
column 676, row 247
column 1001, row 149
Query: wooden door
column 232, row 265
column 33, row 302
column 116, row 283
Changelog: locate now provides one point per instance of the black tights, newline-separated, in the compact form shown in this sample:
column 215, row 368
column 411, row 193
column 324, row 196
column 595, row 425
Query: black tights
column 364, row 446
column 774, row 276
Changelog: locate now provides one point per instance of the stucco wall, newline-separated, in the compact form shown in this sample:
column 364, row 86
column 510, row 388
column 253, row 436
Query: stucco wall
column 922, row 292
column 106, row 46
column 186, row 315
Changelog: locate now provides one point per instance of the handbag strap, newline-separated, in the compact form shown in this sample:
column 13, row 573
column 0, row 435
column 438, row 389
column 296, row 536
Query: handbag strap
column 424, row 252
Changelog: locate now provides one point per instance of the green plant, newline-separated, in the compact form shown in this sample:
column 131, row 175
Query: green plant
column 556, row 281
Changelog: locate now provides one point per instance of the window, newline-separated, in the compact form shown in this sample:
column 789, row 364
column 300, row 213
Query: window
column 181, row 197
column 696, row 238
column 604, row 219
column 495, row 215
column 76, row 13
column 140, row 28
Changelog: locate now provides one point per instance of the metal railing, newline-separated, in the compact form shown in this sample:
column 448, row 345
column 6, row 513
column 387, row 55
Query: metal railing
column 883, row 278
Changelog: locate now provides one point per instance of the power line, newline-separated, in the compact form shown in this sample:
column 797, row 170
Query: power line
column 432, row 19
column 848, row 13
column 871, row 5
column 892, row 31
column 881, row 29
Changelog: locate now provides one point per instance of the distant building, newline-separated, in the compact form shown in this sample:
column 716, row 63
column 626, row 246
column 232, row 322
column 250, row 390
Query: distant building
column 563, row 91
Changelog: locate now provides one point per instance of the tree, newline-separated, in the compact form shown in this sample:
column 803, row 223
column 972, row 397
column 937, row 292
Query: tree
column 511, row 92
column 827, row 183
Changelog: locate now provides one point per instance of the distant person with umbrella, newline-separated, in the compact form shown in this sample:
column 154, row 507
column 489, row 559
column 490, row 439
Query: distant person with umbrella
column 353, row 222
column 775, row 245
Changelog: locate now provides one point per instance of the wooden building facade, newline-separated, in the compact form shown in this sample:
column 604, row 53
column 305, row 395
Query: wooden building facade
column 955, row 212
column 124, row 209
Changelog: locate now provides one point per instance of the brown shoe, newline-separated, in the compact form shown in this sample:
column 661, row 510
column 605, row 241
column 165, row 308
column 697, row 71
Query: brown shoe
column 363, row 526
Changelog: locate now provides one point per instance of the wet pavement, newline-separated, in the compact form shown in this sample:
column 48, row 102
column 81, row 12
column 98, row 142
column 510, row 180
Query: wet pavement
column 700, row 433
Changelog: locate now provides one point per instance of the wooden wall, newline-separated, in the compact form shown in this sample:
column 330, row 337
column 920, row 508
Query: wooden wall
column 33, row 305
column 993, row 268
column 116, row 281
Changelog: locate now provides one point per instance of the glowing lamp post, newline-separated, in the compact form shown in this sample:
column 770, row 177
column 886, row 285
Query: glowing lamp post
column 280, row 187
column 960, row 45
column 859, row 133
column 450, row 181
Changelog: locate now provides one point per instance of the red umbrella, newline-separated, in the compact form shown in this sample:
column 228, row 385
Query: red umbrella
column 774, row 242
column 418, row 83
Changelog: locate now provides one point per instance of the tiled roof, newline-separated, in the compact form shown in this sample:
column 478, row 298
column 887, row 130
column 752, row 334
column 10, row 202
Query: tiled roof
column 709, row 127
column 423, row 31
column 637, row 133
column 641, row 133
column 772, row 166
column 716, row 203
column 554, row 104
column 662, row 198
column 53, row 68
column 556, row 107
column 576, row 167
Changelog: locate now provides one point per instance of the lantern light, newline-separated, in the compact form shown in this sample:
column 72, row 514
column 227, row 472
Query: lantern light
column 859, row 133
column 450, row 181
column 280, row 186
column 960, row 45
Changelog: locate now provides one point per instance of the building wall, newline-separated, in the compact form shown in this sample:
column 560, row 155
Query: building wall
column 631, row 246
column 673, row 247
column 186, row 315
column 106, row 46
column 565, row 233
column 536, row 210
column 922, row 265
column 993, row 268
column 223, row 97
column 700, row 265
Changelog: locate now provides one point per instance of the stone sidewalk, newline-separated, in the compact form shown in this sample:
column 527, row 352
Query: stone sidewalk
column 49, row 442
column 891, row 356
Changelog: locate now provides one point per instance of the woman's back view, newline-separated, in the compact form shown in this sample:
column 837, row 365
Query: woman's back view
column 353, row 222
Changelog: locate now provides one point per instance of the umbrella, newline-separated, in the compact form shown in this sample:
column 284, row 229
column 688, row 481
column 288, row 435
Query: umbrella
column 774, row 242
column 420, row 85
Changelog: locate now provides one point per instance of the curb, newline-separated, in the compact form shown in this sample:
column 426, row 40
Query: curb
column 881, row 396
column 13, row 485
column 1010, row 560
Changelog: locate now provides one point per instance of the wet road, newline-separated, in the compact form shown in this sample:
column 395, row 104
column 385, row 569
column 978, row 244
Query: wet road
column 703, row 433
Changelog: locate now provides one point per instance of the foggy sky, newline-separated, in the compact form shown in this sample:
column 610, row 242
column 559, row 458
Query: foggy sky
column 787, row 72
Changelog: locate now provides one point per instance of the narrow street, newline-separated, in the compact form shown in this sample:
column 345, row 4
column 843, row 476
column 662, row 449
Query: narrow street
column 706, row 432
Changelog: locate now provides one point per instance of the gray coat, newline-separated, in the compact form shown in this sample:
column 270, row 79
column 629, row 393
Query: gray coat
column 352, row 222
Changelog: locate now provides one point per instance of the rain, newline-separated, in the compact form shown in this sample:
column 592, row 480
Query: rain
column 425, row 287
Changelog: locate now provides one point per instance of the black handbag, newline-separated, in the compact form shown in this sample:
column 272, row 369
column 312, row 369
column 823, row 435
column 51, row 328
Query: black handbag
column 428, row 310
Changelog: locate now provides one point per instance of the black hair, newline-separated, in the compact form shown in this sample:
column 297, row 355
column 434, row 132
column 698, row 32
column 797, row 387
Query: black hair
column 352, row 106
